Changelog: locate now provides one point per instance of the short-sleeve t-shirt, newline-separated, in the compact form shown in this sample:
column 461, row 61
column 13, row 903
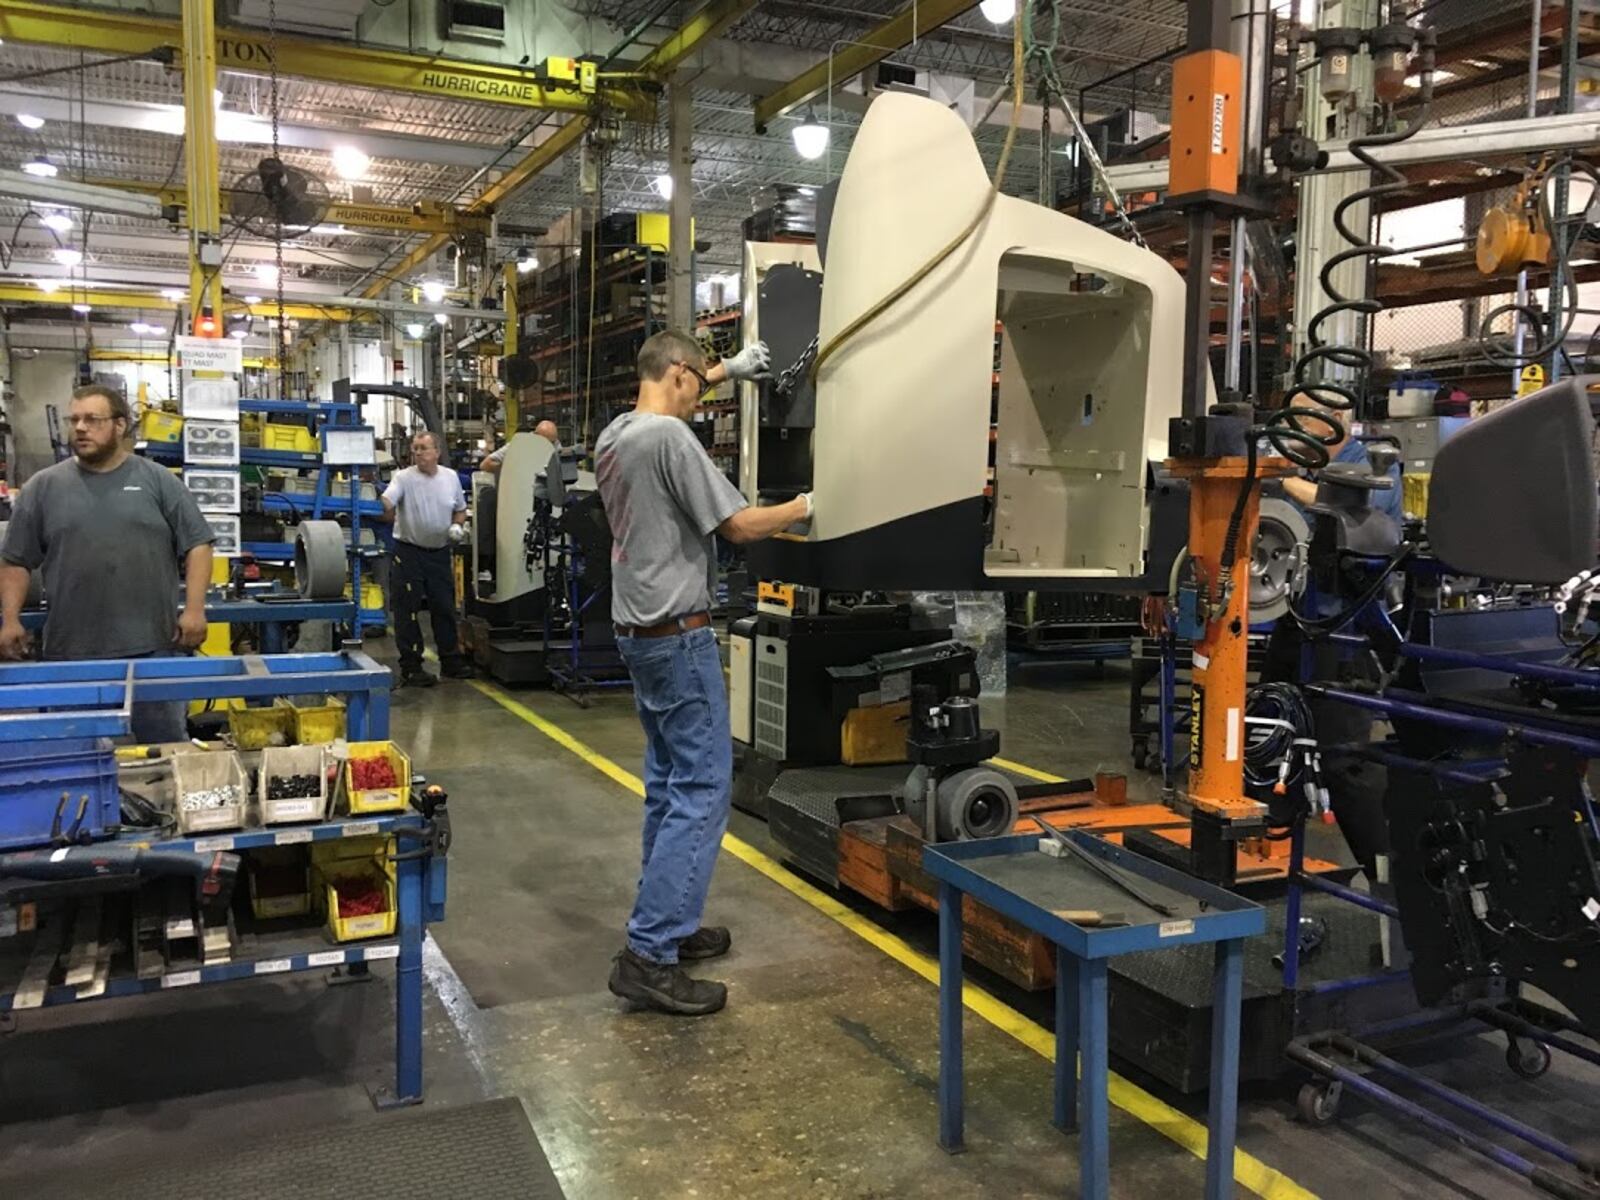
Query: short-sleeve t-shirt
column 425, row 505
column 663, row 497
column 109, row 545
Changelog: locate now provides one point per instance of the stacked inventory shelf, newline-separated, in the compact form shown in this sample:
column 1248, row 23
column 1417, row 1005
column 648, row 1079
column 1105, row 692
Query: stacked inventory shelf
column 583, row 322
column 326, row 497
column 716, row 421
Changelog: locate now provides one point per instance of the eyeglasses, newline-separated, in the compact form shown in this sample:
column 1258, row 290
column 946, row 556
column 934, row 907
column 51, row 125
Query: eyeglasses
column 705, row 384
column 84, row 422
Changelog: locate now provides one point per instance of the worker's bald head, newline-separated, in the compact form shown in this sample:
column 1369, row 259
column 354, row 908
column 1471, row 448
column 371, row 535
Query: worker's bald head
column 548, row 431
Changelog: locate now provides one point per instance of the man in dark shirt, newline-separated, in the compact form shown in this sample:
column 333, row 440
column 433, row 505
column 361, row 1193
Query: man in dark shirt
column 108, row 530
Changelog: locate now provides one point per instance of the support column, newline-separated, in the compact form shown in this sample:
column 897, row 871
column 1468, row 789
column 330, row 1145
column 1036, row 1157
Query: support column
column 200, row 151
column 680, row 267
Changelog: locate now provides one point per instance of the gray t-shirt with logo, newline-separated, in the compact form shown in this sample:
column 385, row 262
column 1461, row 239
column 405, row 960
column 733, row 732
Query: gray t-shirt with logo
column 663, row 497
column 109, row 545
column 425, row 505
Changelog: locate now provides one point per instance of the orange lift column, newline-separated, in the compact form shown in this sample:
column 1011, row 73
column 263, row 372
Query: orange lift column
column 1210, row 447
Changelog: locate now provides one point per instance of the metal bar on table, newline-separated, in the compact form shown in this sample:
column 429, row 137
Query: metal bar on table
column 1066, row 1074
column 1501, row 663
column 1094, row 1139
column 950, row 1048
column 1222, row 1118
column 1484, row 725
column 1354, row 983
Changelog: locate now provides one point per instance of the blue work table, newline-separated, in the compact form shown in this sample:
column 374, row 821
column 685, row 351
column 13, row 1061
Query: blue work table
column 1014, row 878
column 271, row 615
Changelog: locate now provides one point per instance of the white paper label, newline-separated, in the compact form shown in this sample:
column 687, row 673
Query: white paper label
column 1201, row 662
column 273, row 966
column 207, row 845
column 325, row 958
column 291, row 837
column 180, row 979
column 1175, row 928
column 223, row 354
column 360, row 829
column 379, row 953
column 1591, row 908
column 1218, row 122
column 1235, row 723
column 295, row 810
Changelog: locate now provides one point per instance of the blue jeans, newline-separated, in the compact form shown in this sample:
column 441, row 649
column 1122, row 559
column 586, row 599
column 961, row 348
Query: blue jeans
column 688, row 783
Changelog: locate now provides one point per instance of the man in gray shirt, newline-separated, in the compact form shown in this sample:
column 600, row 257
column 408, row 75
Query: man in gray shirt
column 664, row 498
column 108, row 530
column 427, row 506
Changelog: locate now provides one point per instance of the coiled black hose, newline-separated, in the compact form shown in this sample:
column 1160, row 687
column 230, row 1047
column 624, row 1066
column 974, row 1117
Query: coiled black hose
column 1285, row 430
column 1525, row 310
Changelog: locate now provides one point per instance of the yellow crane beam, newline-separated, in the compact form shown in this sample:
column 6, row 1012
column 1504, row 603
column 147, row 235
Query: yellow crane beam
column 905, row 27
column 331, row 61
column 149, row 302
column 426, row 216
column 200, row 155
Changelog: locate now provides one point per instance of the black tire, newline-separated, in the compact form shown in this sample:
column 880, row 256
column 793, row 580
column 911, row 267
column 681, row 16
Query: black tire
column 1318, row 1103
column 1528, row 1059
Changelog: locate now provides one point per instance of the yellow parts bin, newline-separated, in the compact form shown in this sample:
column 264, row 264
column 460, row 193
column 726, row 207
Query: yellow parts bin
column 315, row 722
column 260, row 727
column 210, row 790
column 280, row 882
column 354, row 865
column 295, row 438
column 158, row 426
column 382, row 799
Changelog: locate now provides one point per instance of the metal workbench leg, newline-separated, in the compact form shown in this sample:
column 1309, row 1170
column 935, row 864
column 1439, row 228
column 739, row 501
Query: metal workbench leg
column 950, row 1049
column 1066, row 1040
column 1227, row 994
column 1094, row 1142
column 271, row 637
column 378, row 714
column 407, row 990
column 356, row 722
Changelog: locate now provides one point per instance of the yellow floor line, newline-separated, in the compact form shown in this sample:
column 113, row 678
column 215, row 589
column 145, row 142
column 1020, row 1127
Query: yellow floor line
column 1249, row 1171
column 1024, row 769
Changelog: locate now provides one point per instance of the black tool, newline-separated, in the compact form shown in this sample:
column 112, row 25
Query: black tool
column 1107, row 872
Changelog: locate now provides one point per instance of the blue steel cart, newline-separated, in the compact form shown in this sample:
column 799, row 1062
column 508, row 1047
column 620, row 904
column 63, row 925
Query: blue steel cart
column 1013, row 877
column 92, row 699
column 273, row 616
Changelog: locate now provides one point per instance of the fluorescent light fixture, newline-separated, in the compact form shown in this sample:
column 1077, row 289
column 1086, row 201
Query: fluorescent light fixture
column 663, row 186
column 40, row 168
column 48, row 286
column 414, row 330
column 811, row 135
column 1440, row 75
column 252, row 299
column 527, row 260
column 997, row 12
column 145, row 329
column 267, row 272
column 56, row 222
column 432, row 291
column 29, row 121
column 67, row 256
column 239, row 331
column 351, row 162
column 80, row 308
column 442, row 318
column 174, row 294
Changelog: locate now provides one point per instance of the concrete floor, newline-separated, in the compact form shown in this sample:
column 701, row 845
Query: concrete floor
column 817, row 1081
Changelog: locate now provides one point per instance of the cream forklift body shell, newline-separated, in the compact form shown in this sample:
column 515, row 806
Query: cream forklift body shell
column 1090, row 374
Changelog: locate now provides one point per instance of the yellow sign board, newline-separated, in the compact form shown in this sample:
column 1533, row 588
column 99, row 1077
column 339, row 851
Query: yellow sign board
column 1531, row 381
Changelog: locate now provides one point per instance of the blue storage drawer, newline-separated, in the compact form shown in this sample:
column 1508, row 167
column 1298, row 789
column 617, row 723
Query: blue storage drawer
column 39, row 778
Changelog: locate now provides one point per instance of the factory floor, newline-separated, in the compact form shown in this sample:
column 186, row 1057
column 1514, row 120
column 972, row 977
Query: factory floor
column 817, row 1081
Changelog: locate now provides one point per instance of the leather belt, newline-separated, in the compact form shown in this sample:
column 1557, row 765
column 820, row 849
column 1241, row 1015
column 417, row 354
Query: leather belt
column 697, row 620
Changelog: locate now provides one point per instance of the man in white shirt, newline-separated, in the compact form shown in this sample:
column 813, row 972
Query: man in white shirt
column 427, row 507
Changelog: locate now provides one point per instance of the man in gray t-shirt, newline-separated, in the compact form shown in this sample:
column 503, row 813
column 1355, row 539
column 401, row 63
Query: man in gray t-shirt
column 664, row 498
column 108, row 531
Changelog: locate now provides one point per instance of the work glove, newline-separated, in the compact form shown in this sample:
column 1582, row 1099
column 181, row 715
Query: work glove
column 806, row 496
column 458, row 533
column 753, row 362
